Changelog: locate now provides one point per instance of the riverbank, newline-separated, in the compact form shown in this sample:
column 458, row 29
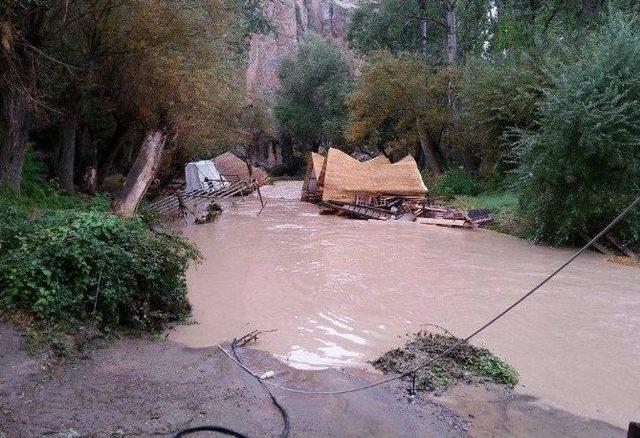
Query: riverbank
column 142, row 387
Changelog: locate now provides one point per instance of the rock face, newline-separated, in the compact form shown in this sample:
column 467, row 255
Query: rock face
column 292, row 19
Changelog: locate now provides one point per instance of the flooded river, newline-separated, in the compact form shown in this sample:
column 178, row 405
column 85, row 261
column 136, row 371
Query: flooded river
column 340, row 292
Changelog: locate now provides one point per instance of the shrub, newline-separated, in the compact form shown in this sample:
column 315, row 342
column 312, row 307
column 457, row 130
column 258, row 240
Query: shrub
column 457, row 182
column 80, row 265
column 582, row 167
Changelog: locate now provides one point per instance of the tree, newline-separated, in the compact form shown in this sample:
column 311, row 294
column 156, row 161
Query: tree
column 582, row 166
column 440, row 30
column 498, row 95
column 91, row 80
column 21, row 33
column 400, row 102
column 310, row 102
column 177, row 84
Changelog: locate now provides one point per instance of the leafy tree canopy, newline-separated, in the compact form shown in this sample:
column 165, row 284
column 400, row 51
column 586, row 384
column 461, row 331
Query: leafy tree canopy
column 582, row 166
column 313, row 84
column 392, row 94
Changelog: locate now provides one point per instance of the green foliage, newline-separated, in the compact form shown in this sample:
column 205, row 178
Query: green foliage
column 466, row 363
column 386, row 24
column 392, row 93
column 493, row 369
column 503, row 206
column 310, row 106
column 81, row 265
column 249, row 19
column 497, row 96
column 583, row 165
column 494, row 202
column 396, row 26
column 37, row 193
column 457, row 182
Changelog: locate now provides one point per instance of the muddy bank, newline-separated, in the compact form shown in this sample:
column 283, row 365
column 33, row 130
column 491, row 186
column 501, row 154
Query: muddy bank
column 144, row 387
column 341, row 292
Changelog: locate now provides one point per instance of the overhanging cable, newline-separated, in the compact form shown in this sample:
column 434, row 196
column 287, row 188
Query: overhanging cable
column 462, row 341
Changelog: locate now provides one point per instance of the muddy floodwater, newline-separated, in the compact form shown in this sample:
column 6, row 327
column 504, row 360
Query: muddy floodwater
column 340, row 292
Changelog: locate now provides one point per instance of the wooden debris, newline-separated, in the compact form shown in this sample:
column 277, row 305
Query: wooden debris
column 599, row 247
column 621, row 247
column 445, row 222
column 360, row 211
column 420, row 209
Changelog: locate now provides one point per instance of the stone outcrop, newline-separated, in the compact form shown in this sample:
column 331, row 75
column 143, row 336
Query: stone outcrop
column 292, row 19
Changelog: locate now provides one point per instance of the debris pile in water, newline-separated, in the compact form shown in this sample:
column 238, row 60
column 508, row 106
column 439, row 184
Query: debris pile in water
column 466, row 364
column 378, row 189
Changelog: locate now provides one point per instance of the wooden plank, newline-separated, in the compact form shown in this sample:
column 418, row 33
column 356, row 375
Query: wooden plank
column 601, row 248
column 626, row 251
column 444, row 222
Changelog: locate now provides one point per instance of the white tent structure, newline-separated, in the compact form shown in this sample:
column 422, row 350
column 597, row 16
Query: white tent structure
column 203, row 175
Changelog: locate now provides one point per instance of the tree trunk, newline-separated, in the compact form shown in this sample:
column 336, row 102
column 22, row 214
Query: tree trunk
column 68, row 152
column 88, row 166
column 452, row 33
column 429, row 148
column 116, row 141
column 452, row 46
column 142, row 172
column 13, row 137
column 287, row 149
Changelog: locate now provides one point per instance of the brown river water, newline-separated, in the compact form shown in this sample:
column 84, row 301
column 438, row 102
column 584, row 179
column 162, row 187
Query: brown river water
column 340, row 292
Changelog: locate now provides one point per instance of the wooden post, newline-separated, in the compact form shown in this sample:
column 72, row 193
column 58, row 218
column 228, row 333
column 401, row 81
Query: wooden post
column 634, row 430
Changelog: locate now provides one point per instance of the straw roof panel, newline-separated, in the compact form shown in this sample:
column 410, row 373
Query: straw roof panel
column 234, row 168
column 345, row 177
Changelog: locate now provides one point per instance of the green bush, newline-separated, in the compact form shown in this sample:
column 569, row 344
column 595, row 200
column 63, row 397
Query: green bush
column 457, row 182
column 582, row 167
column 92, row 265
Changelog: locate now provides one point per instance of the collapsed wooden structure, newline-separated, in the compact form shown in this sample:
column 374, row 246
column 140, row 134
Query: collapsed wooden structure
column 377, row 189
column 232, row 177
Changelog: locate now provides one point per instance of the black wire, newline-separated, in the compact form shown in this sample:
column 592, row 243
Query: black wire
column 210, row 428
column 215, row 428
column 285, row 416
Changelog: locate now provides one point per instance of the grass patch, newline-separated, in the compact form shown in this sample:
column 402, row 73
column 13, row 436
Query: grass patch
column 504, row 208
column 466, row 364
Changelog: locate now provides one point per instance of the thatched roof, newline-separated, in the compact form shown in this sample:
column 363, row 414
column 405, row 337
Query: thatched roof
column 343, row 178
column 234, row 169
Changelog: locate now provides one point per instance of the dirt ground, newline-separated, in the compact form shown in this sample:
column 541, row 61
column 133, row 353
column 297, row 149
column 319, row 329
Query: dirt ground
column 144, row 387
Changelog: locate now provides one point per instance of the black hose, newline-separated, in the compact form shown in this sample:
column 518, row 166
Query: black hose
column 210, row 428
column 215, row 428
column 285, row 416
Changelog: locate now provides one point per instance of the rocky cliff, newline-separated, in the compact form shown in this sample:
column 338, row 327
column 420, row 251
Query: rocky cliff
column 292, row 19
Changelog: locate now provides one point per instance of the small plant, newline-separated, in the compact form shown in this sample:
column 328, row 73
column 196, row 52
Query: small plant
column 457, row 182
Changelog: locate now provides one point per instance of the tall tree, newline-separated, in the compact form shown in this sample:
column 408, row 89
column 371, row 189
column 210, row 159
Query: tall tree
column 21, row 33
column 399, row 102
column 313, row 84
column 584, row 160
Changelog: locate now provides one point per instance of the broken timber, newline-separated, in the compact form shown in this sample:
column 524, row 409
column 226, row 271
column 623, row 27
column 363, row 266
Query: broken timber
column 445, row 222
column 360, row 211
column 176, row 203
